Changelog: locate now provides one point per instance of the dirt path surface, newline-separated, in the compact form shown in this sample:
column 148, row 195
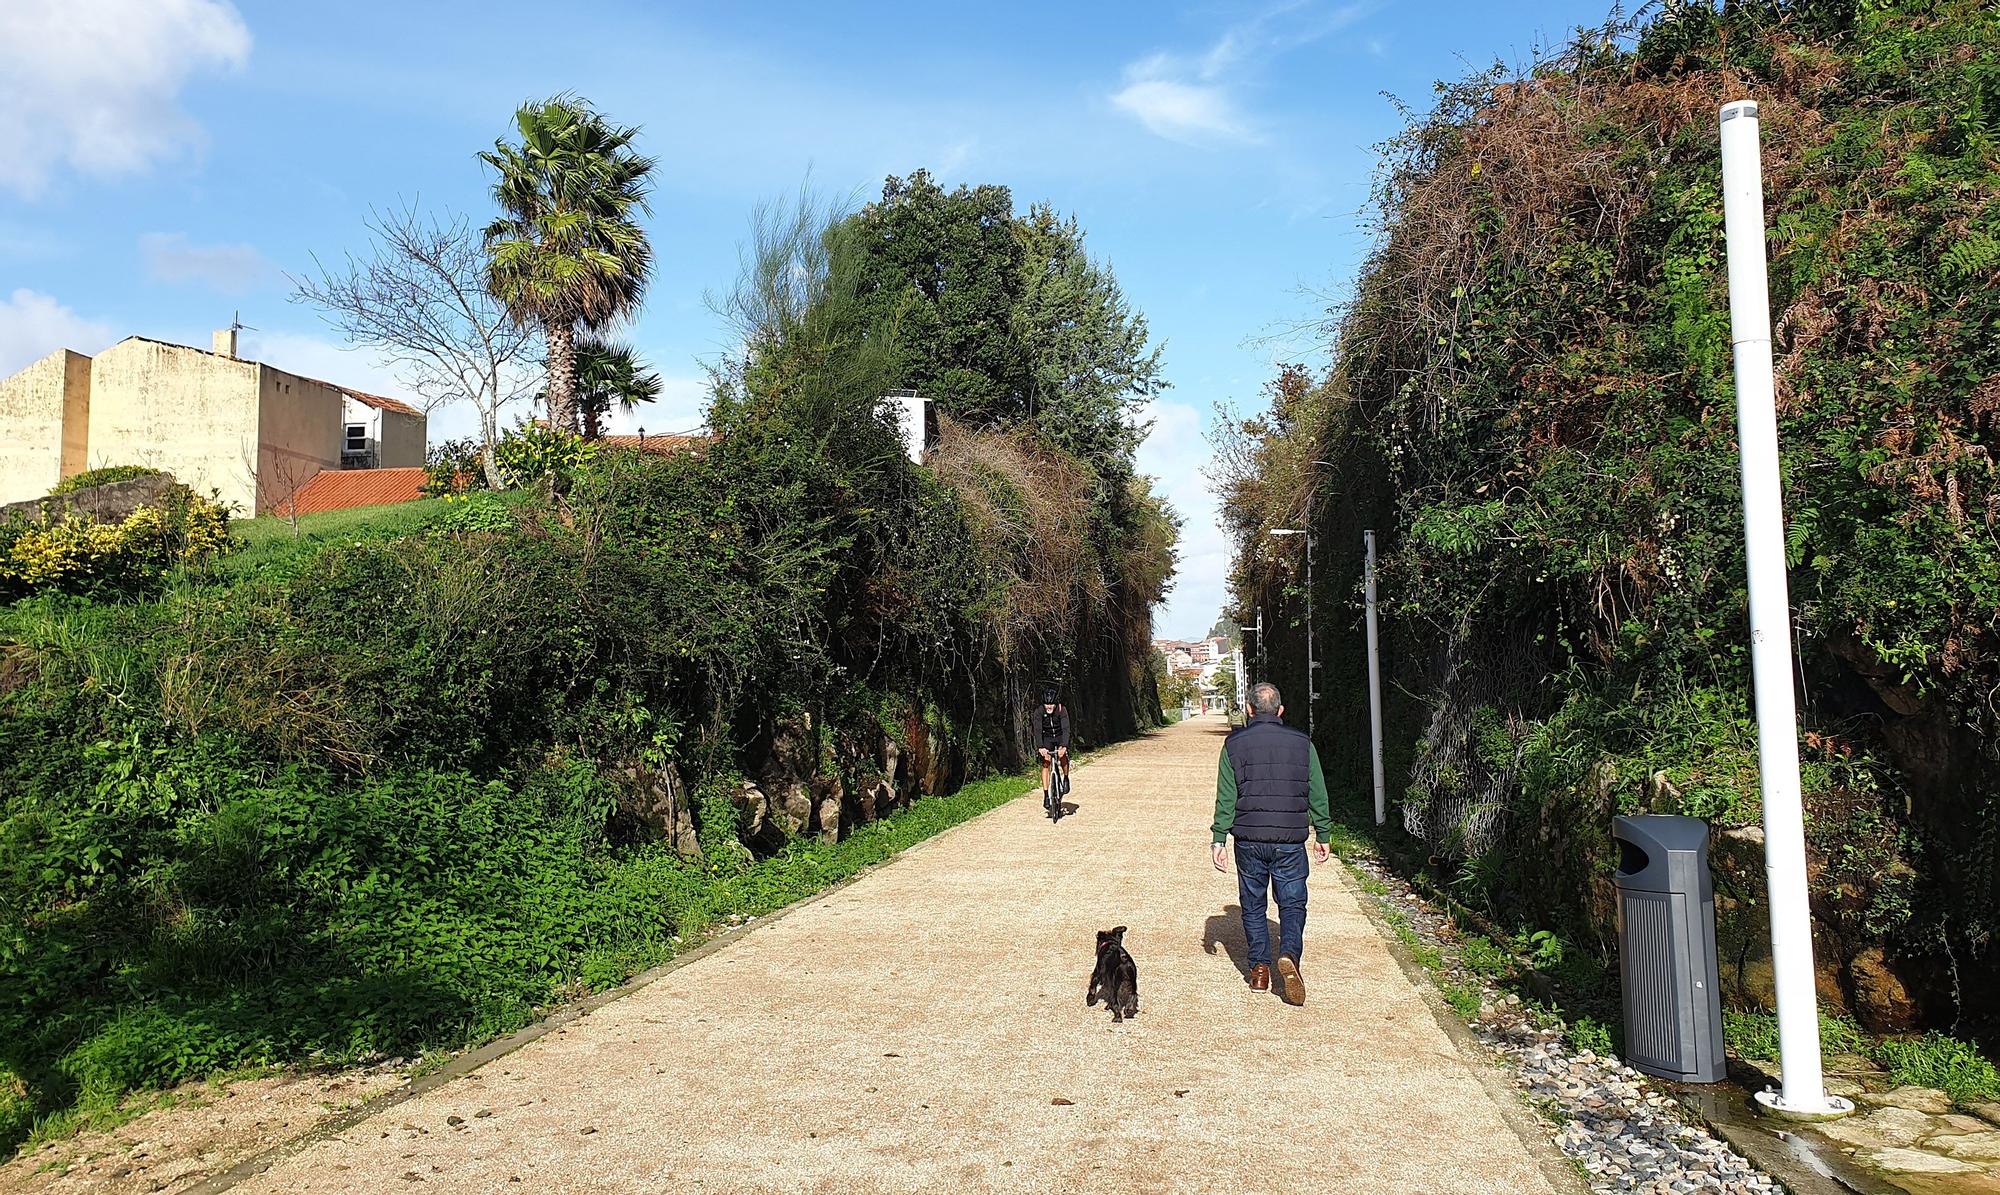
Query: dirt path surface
column 197, row 1130
column 923, row 1029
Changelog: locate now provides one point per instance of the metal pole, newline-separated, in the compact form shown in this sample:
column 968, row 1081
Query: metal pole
column 1374, row 677
column 1804, row 1093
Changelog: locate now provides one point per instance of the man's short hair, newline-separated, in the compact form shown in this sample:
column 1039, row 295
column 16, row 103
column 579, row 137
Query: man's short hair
column 1264, row 698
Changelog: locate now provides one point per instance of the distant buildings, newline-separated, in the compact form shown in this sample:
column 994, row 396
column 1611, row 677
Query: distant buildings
column 1209, row 662
column 253, row 433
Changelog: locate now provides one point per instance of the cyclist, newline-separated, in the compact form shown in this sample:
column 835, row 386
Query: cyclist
column 1052, row 736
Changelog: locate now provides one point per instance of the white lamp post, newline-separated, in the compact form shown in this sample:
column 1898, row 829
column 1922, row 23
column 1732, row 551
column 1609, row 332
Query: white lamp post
column 1374, row 676
column 1804, row 1095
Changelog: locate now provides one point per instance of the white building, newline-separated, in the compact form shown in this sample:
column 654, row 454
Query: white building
column 379, row 433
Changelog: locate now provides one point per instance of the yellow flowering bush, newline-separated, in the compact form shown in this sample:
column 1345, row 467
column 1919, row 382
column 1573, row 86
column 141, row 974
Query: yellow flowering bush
column 77, row 554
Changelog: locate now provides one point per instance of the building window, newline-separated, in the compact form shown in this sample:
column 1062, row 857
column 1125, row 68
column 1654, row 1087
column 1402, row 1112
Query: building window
column 357, row 437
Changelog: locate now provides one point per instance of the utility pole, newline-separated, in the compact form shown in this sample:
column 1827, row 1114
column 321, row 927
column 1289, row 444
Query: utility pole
column 1374, row 676
column 1804, row 1094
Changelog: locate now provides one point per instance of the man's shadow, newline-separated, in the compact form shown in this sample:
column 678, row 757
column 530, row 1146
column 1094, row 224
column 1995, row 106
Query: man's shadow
column 1225, row 929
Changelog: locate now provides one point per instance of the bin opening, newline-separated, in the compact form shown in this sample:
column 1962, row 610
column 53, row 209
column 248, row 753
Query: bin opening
column 1631, row 860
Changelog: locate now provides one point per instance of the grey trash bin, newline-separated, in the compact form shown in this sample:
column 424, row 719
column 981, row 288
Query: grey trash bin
column 1666, row 948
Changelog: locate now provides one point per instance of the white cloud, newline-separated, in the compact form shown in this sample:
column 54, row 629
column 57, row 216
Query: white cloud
column 1192, row 99
column 231, row 269
column 93, row 84
column 1174, row 453
column 33, row 325
column 1193, row 114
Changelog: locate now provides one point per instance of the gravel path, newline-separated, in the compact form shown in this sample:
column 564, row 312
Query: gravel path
column 923, row 1029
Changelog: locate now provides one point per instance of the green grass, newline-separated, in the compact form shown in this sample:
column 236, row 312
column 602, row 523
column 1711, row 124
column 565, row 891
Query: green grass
column 269, row 542
column 134, row 1056
column 1933, row 1060
column 1936, row 1060
column 1754, row 1035
column 1464, row 999
column 1481, row 955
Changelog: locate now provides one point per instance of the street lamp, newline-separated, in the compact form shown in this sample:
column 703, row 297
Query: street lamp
column 1312, row 678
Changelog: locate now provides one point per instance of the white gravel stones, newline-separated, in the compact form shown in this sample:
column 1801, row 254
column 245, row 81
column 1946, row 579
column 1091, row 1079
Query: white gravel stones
column 1623, row 1134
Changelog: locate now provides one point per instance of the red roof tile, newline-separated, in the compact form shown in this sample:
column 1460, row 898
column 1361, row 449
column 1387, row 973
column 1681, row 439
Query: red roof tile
column 375, row 400
column 344, row 489
column 662, row 444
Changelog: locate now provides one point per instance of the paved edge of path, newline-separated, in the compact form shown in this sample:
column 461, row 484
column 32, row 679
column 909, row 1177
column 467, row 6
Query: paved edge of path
column 472, row 1060
column 1489, row 1073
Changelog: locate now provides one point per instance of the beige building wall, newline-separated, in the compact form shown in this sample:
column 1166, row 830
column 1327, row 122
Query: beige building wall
column 45, row 411
column 299, row 428
column 191, row 413
column 401, row 443
column 249, row 432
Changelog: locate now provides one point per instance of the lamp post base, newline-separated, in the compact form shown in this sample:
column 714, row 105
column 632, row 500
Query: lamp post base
column 1772, row 1104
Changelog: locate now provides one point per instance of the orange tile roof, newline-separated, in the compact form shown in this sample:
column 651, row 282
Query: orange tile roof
column 662, row 444
column 343, row 489
column 375, row 400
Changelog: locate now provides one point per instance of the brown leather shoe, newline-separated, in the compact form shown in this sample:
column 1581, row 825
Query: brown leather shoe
column 1260, row 978
column 1291, row 985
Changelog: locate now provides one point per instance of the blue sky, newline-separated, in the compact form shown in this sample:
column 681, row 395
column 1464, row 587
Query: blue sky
column 165, row 163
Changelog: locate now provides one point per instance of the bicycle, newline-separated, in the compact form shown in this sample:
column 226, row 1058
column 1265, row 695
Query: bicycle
column 1057, row 788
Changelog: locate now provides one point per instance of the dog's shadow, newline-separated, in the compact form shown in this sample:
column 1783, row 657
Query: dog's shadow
column 1225, row 929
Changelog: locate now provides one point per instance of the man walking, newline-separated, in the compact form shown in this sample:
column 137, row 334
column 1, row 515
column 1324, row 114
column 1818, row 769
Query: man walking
column 1268, row 790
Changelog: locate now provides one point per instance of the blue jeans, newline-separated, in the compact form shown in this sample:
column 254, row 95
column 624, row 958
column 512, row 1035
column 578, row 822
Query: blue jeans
column 1267, row 867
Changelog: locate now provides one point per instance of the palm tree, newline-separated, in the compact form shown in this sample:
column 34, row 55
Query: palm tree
column 566, row 252
column 608, row 373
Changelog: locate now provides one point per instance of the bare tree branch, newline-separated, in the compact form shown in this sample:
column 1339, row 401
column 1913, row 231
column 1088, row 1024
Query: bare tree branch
column 420, row 299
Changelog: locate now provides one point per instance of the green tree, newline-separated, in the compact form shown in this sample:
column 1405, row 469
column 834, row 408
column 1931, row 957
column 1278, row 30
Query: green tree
column 609, row 374
column 566, row 252
column 1089, row 368
column 940, row 273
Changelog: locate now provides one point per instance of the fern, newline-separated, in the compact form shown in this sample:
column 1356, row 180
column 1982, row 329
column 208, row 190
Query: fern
column 1972, row 257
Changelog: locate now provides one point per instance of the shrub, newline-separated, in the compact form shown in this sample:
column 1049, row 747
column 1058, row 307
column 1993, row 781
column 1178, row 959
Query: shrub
column 530, row 453
column 75, row 554
column 453, row 467
column 104, row 476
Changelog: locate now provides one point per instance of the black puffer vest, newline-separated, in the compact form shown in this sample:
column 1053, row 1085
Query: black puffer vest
column 1273, row 766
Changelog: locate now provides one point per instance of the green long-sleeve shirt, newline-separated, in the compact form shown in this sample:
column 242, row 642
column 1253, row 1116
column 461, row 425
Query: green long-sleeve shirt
column 1316, row 803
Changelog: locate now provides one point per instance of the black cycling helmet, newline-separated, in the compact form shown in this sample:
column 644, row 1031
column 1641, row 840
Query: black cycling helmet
column 1048, row 695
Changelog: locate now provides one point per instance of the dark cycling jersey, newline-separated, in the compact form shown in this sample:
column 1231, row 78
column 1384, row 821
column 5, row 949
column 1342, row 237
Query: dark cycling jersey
column 1054, row 724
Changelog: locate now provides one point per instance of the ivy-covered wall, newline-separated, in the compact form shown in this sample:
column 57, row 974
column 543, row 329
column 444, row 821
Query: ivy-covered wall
column 1532, row 399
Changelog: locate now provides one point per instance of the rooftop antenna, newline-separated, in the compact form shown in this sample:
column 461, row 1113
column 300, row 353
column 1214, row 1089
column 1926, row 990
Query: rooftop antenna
column 236, row 323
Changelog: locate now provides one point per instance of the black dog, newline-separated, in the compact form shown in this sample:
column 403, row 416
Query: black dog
column 1116, row 979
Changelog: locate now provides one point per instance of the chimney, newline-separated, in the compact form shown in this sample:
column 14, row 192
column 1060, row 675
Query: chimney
column 224, row 343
